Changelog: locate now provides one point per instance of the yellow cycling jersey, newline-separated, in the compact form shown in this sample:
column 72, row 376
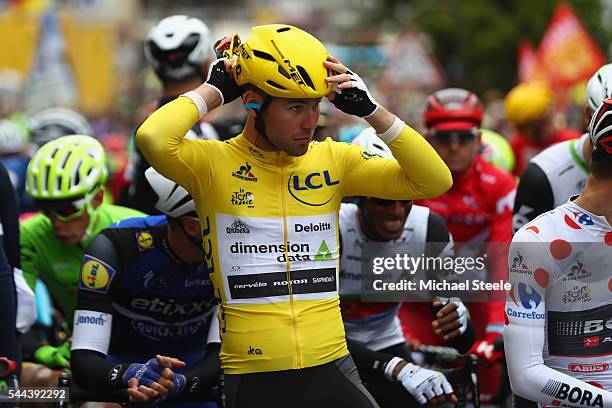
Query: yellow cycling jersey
column 269, row 223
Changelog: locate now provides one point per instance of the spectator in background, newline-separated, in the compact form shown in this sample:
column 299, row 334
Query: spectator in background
column 179, row 49
column 529, row 109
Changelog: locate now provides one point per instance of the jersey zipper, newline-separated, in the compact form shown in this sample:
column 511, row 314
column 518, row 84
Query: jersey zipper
column 288, row 263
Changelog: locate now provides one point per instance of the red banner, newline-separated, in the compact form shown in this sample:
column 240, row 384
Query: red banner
column 567, row 52
column 529, row 68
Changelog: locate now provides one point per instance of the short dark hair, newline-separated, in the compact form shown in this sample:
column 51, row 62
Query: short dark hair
column 601, row 165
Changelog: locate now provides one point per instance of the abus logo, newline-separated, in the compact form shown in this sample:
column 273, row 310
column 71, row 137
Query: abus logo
column 96, row 321
column 574, row 395
column 313, row 181
column 254, row 351
column 588, row 368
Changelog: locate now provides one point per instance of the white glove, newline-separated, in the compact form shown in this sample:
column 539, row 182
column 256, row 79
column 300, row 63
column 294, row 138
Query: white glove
column 461, row 312
column 26, row 303
column 423, row 384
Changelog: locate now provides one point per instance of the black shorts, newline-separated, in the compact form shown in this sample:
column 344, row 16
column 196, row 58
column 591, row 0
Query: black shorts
column 335, row 384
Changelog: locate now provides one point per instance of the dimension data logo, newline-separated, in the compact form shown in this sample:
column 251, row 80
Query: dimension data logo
column 244, row 173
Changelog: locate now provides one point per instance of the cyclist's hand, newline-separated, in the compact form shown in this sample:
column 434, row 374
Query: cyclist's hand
column 141, row 394
column 156, row 373
column 220, row 78
column 351, row 94
column 54, row 357
column 175, row 383
column 485, row 349
column 426, row 386
column 451, row 320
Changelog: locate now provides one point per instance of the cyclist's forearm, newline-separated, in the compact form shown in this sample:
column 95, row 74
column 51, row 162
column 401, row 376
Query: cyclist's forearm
column 204, row 375
column 533, row 380
column 368, row 361
column 91, row 370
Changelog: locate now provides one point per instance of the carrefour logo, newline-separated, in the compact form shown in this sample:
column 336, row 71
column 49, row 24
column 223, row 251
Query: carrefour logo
column 297, row 186
column 527, row 295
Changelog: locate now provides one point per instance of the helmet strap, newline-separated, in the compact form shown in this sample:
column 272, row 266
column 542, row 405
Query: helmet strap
column 260, row 126
column 93, row 221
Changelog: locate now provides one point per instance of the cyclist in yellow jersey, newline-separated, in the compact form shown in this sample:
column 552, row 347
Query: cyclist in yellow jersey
column 268, row 204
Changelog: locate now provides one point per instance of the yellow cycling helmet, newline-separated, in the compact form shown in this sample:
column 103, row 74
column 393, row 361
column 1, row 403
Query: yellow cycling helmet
column 528, row 102
column 283, row 61
column 65, row 168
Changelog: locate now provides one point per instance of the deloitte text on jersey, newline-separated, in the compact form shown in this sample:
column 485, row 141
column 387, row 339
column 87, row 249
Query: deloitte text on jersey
column 402, row 271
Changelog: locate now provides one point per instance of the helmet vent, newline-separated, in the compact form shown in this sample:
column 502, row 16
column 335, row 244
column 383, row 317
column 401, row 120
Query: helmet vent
column 282, row 30
column 45, row 176
column 62, row 164
column 284, row 73
column 77, row 173
column 274, row 84
column 305, row 76
column 263, row 55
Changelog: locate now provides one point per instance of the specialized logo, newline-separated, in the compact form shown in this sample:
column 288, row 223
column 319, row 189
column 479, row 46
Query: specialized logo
column 518, row 265
column 244, row 173
column 577, row 294
column 237, row 227
column 113, row 375
column 153, row 279
column 91, row 320
column 189, row 282
column 145, row 240
column 243, row 198
column 582, row 218
column 588, row 368
column 564, row 392
column 254, row 351
column 323, row 253
column 313, row 181
column 95, row 275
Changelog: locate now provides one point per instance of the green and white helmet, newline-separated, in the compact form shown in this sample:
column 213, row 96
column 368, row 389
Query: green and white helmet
column 65, row 168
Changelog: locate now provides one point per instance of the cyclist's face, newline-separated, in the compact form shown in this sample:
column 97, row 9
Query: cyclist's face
column 70, row 232
column 457, row 149
column 383, row 220
column 291, row 123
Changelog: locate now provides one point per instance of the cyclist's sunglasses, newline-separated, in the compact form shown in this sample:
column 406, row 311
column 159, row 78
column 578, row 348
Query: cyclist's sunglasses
column 462, row 137
column 227, row 46
column 71, row 211
column 389, row 203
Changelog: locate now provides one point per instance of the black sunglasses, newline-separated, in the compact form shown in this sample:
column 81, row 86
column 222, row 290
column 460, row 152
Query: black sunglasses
column 462, row 137
column 389, row 203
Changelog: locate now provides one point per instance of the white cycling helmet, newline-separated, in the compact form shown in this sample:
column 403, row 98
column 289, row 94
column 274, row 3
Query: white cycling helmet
column 172, row 199
column 49, row 124
column 370, row 141
column 599, row 87
column 12, row 138
column 177, row 46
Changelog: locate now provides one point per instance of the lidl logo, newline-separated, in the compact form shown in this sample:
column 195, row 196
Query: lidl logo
column 145, row 240
column 95, row 275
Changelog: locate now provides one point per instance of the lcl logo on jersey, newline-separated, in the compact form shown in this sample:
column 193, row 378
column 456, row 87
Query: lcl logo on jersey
column 315, row 181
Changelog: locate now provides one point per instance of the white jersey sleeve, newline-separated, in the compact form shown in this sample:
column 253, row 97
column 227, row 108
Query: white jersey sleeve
column 530, row 270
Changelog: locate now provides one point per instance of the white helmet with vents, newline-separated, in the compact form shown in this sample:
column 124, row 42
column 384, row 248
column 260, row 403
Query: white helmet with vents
column 172, row 199
column 177, row 46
